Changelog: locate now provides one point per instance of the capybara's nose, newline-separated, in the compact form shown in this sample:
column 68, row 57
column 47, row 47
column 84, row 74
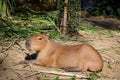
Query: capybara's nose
column 27, row 43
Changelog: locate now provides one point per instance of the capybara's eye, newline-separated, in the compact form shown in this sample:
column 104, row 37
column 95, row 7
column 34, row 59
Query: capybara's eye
column 39, row 38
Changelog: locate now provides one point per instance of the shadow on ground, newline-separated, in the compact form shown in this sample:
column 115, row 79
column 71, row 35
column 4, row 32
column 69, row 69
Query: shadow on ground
column 109, row 23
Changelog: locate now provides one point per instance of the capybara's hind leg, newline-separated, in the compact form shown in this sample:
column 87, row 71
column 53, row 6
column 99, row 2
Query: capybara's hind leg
column 72, row 69
column 83, row 66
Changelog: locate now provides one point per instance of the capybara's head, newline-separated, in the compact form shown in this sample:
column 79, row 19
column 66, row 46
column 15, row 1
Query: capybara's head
column 37, row 42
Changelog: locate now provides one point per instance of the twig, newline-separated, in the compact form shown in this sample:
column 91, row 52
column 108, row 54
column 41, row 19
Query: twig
column 21, row 69
column 55, row 26
column 118, row 41
column 19, row 75
column 114, row 48
column 21, row 48
column 109, row 58
column 59, row 73
column 1, row 61
column 9, row 46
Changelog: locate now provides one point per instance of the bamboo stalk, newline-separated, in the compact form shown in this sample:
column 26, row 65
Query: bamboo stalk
column 80, row 76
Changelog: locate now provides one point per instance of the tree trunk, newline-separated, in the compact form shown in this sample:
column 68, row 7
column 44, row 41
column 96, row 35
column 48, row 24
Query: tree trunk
column 65, row 15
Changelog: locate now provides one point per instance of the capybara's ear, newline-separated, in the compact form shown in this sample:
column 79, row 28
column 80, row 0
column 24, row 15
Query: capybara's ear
column 48, row 35
column 40, row 32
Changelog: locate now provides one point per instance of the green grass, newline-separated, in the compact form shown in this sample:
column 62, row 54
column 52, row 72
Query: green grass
column 57, row 78
column 22, row 26
column 89, row 28
column 99, row 30
column 25, row 25
column 9, row 30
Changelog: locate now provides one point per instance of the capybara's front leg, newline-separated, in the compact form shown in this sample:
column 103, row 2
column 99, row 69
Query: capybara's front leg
column 30, row 61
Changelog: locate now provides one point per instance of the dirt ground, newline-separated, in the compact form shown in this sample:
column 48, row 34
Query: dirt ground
column 108, row 46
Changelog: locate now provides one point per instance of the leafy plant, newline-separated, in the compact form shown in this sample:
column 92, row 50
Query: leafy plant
column 6, row 7
column 43, row 77
column 10, row 31
column 57, row 78
column 38, row 77
column 93, row 76
column 89, row 28
column 73, row 77
column 1, row 61
column 109, row 66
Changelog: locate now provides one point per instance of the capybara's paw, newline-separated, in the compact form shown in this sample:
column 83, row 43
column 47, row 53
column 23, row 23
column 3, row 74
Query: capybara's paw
column 67, row 69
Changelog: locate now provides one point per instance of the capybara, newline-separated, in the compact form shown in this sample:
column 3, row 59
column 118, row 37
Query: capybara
column 76, row 58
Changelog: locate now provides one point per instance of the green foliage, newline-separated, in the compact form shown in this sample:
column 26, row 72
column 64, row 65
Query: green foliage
column 38, row 77
column 9, row 30
column 109, row 66
column 98, row 9
column 12, row 31
column 27, row 24
column 73, row 77
column 44, row 21
column 3, row 8
column 89, row 28
column 1, row 61
column 43, row 77
column 57, row 78
column 93, row 76
column 96, row 29
column 6, row 7
column 74, row 14
column 107, row 8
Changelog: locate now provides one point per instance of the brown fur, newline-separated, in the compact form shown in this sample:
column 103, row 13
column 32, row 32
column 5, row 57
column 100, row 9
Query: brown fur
column 81, row 57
